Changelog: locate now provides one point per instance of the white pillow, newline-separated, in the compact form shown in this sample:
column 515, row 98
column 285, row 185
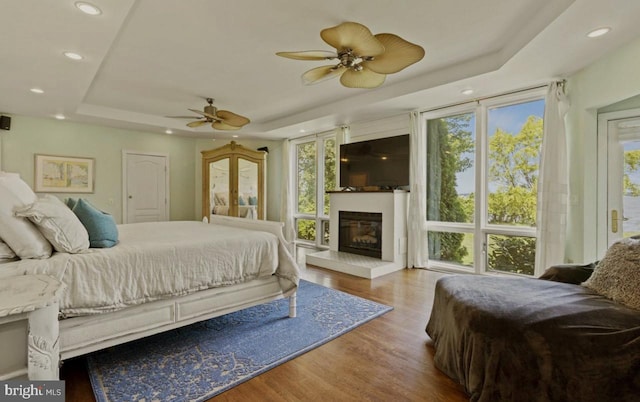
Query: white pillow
column 57, row 223
column 19, row 234
column 5, row 251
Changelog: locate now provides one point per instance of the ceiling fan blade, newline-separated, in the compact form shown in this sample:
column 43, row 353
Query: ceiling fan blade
column 309, row 55
column 364, row 78
column 182, row 117
column 232, row 119
column 354, row 36
column 322, row 73
column 204, row 114
column 196, row 123
column 218, row 125
column 398, row 55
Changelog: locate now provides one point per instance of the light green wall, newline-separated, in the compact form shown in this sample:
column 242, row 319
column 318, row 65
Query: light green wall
column 629, row 103
column 274, row 167
column 29, row 136
column 611, row 79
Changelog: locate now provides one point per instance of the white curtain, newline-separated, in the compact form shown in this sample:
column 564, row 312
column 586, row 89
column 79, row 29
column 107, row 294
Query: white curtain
column 286, row 207
column 552, row 182
column 417, row 253
column 343, row 134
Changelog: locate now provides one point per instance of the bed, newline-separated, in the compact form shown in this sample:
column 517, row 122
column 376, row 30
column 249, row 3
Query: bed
column 164, row 275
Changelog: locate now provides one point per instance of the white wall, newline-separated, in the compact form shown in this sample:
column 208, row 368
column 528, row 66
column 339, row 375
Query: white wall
column 609, row 80
column 30, row 135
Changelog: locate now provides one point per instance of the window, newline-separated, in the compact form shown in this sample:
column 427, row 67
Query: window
column 314, row 161
column 482, row 174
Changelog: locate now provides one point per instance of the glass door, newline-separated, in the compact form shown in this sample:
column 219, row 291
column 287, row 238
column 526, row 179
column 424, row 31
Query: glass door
column 623, row 195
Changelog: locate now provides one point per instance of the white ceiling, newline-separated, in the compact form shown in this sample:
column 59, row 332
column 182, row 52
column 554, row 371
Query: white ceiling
column 146, row 59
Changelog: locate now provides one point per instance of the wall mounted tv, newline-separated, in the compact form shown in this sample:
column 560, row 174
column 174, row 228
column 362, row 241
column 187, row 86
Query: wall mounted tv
column 382, row 163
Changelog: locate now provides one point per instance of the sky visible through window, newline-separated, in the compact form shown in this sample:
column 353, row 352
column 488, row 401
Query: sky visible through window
column 510, row 119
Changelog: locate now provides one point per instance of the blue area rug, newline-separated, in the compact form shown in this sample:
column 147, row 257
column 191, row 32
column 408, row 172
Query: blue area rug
column 199, row 361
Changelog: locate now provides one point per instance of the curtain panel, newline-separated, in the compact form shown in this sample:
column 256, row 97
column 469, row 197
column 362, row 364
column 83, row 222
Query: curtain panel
column 417, row 252
column 552, row 182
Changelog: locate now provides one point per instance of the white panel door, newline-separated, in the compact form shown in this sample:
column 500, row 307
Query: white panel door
column 146, row 188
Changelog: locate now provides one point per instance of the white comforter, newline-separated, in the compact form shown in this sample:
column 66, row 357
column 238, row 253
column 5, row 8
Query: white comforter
column 163, row 259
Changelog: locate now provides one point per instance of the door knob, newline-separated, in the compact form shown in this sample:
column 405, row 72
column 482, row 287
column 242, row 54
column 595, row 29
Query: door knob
column 130, row 197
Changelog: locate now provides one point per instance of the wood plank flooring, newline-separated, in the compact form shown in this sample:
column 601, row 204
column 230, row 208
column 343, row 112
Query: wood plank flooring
column 387, row 359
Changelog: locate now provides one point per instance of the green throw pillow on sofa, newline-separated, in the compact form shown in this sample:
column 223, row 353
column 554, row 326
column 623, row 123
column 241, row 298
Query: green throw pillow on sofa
column 103, row 232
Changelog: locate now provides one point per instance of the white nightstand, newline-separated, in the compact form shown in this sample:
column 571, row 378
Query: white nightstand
column 29, row 345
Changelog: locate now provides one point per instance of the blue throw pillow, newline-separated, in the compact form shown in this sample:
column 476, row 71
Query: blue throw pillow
column 103, row 232
column 253, row 200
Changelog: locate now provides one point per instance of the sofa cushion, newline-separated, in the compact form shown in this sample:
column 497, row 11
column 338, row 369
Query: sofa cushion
column 617, row 276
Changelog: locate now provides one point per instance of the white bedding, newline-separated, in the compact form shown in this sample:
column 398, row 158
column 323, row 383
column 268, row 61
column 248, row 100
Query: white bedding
column 163, row 259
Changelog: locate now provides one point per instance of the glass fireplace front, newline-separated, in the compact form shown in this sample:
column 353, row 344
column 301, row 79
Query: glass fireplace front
column 360, row 233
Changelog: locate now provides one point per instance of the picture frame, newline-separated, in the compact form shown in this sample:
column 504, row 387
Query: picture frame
column 64, row 174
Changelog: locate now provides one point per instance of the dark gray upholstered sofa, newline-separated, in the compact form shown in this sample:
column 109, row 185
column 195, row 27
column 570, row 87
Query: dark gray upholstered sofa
column 526, row 339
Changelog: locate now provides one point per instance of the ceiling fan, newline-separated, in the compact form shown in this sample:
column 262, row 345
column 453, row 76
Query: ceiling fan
column 219, row 119
column 364, row 59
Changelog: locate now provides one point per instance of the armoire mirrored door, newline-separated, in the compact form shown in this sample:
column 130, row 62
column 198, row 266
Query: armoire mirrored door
column 233, row 182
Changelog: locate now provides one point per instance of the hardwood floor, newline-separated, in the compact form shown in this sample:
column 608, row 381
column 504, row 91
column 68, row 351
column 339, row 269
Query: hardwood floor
column 387, row 359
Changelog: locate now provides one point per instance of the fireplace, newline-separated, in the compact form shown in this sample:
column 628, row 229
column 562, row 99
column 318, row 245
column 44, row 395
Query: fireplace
column 360, row 233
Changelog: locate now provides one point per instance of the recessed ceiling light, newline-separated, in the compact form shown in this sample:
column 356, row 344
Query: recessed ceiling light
column 235, row 136
column 73, row 56
column 599, row 32
column 467, row 91
column 88, row 8
column 36, row 90
column 59, row 116
column 168, row 131
column 303, row 130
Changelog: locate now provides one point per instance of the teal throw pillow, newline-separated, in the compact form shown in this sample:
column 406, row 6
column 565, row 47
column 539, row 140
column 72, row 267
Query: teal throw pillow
column 103, row 232
column 70, row 202
column 253, row 200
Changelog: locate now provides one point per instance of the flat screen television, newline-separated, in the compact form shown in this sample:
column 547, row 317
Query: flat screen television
column 382, row 163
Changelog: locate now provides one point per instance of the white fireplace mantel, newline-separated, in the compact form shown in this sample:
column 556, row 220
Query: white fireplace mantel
column 393, row 207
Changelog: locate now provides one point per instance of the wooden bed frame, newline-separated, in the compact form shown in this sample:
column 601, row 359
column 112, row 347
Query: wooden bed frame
column 81, row 335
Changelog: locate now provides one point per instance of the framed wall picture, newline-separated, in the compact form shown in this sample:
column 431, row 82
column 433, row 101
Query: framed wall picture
column 64, row 174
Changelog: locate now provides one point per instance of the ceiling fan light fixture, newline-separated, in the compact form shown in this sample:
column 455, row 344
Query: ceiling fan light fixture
column 363, row 59
column 219, row 119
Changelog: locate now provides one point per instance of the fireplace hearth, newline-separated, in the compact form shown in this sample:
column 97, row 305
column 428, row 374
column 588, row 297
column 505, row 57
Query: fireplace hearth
column 360, row 233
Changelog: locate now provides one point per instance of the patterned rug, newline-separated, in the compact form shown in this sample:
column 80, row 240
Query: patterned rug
column 199, row 361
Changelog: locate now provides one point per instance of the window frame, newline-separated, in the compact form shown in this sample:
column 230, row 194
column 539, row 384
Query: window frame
column 319, row 217
column 480, row 228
